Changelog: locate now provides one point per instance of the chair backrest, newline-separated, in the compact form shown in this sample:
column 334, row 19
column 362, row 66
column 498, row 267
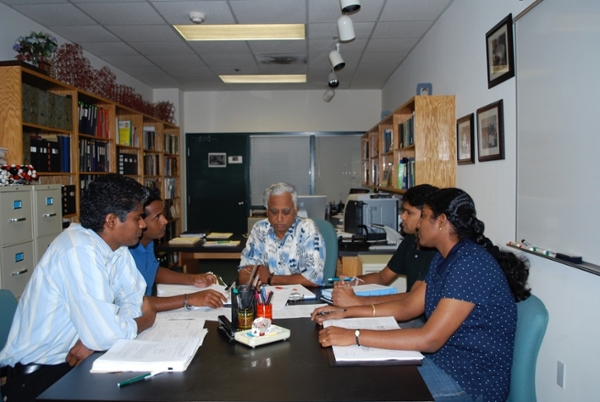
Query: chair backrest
column 331, row 247
column 8, row 305
column 532, row 320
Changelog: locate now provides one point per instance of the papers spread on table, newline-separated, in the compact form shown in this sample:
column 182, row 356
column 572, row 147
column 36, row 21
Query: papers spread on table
column 297, row 311
column 221, row 243
column 369, row 289
column 364, row 353
column 169, row 345
column 185, row 241
column 219, row 235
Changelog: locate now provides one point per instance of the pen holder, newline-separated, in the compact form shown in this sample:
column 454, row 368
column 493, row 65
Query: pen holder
column 264, row 310
column 245, row 319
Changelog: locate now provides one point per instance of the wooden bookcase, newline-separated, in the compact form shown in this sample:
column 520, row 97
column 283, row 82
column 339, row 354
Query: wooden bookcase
column 431, row 153
column 16, row 130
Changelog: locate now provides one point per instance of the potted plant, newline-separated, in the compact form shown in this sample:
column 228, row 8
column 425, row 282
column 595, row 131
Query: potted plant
column 36, row 48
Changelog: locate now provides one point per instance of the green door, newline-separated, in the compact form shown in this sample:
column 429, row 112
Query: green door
column 217, row 182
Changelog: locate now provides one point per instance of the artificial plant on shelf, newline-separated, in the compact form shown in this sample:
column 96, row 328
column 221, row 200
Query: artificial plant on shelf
column 35, row 47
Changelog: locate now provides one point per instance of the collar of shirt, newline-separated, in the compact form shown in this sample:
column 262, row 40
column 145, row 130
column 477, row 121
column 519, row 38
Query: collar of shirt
column 290, row 231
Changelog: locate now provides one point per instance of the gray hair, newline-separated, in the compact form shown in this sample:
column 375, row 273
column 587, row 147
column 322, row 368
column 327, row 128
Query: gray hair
column 279, row 189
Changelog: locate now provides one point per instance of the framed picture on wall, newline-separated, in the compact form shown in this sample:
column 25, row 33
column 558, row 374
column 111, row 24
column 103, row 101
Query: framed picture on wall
column 217, row 160
column 465, row 139
column 490, row 132
column 500, row 54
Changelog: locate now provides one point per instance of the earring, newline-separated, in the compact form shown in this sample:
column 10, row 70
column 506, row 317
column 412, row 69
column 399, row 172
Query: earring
column 440, row 228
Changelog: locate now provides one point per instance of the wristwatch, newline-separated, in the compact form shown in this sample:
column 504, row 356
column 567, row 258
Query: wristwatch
column 185, row 303
column 357, row 336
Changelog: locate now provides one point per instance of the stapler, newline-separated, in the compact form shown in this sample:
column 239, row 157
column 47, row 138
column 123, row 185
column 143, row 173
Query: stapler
column 226, row 328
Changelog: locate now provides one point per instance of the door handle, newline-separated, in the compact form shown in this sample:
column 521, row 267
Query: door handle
column 49, row 215
column 12, row 220
column 17, row 273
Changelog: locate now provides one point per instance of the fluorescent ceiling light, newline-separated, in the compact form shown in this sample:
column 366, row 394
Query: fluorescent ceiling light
column 263, row 79
column 242, row 32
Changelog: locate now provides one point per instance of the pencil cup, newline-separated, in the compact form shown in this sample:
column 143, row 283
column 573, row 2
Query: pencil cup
column 245, row 318
column 265, row 310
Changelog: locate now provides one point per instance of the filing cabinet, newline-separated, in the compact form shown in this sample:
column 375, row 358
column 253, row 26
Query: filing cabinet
column 30, row 218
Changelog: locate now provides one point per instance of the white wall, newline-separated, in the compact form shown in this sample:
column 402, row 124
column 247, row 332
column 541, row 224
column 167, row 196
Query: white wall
column 452, row 58
column 13, row 25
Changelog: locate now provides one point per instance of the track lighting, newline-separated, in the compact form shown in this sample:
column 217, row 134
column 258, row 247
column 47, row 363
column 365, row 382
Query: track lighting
column 328, row 95
column 197, row 17
column 333, row 81
column 337, row 63
column 345, row 29
column 350, row 6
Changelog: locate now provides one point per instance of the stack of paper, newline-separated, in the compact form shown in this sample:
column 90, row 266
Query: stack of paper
column 369, row 289
column 185, row 241
column 357, row 353
column 219, row 235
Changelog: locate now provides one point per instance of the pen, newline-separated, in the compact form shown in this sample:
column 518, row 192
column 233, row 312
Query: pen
column 322, row 313
column 138, row 378
column 346, row 279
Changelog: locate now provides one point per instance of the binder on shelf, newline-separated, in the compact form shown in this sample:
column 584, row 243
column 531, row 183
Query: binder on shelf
column 68, row 200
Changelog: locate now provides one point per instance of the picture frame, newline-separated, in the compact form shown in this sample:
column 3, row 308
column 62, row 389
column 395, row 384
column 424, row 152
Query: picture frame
column 465, row 140
column 490, row 132
column 217, row 160
column 500, row 52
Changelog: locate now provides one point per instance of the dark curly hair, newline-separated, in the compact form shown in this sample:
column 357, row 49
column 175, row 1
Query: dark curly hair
column 111, row 193
column 459, row 208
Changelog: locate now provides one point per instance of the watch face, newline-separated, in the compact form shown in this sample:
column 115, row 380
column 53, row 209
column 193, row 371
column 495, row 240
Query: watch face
column 357, row 332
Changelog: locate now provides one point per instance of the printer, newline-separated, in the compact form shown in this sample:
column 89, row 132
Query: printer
column 366, row 214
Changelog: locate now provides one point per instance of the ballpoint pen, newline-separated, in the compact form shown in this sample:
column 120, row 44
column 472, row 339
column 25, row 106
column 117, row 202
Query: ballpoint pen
column 346, row 279
column 322, row 313
column 140, row 377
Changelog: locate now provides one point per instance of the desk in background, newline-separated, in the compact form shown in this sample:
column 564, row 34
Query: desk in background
column 294, row 370
column 188, row 256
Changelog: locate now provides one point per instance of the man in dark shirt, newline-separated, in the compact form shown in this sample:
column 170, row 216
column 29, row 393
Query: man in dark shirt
column 409, row 259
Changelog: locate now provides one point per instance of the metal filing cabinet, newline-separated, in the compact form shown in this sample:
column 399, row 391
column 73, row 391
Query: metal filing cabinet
column 47, row 216
column 16, row 238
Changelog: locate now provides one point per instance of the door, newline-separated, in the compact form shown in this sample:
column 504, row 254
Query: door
column 217, row 182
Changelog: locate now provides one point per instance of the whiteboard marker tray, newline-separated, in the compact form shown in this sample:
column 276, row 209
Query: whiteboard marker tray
column 277, row 334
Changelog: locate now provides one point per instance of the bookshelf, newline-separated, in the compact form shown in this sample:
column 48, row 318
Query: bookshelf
column 419, row 139
column 36, row 106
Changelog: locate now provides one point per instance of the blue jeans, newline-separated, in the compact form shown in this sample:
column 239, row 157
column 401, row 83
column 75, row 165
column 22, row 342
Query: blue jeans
column 442, row 387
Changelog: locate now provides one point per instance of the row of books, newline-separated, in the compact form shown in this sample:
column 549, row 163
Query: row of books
column 151, row 164
column 127, row 133
column 47, row 152
column 93, row 120
column 171, row 144
column 46, row 108
column 127, row 163
column 406, row 173
column 388, row 140
column 93, row 155
column 152, row 183
column 170, row 190
column 149, row 138
column 171, row 209
column 406, row 132
column 170, row 166
column 84, row 182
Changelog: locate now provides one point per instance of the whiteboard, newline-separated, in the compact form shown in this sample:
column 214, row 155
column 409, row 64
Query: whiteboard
column 558, row 127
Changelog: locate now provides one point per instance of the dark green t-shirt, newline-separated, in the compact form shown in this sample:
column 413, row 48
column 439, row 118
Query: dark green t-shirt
column 410, row 261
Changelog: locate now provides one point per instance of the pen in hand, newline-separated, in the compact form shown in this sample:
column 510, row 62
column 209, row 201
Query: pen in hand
column 322, row 313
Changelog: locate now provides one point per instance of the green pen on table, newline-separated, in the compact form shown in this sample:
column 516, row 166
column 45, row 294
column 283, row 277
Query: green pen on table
column 140, row 377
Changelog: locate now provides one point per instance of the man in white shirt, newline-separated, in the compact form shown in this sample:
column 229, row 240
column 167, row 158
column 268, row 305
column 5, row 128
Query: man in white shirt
column 85, row 293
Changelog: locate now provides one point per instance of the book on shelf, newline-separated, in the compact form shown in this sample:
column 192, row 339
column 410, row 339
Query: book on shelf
column 184, row 241
column 355, row 353
column 125, row 132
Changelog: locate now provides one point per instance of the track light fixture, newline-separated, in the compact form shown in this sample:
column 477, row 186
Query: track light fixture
column 350, row 6
column 345, row 29
column 328, row 95
column 335, row 58
column 333, row 81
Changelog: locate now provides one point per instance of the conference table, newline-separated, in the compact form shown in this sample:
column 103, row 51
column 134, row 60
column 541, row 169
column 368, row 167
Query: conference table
column 297, row 369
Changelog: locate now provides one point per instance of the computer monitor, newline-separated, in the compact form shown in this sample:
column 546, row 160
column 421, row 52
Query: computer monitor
column 312, row 206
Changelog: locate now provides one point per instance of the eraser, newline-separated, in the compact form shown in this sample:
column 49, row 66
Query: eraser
column 570, row 258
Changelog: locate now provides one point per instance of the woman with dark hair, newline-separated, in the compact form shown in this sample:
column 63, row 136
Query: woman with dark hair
column 468, row 298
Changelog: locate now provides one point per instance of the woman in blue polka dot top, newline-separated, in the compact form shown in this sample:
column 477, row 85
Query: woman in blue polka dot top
column 469, row 301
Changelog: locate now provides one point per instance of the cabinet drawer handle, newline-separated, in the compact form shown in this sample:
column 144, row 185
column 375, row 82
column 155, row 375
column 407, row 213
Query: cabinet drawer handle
column 12, row 220
column 17, row 273
column 49, row 215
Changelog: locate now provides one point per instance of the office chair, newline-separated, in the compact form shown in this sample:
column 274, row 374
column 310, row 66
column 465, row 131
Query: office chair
column 331, row 247
column 532, row 320
column 8, row 305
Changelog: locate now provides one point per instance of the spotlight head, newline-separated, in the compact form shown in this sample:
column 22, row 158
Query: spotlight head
column 350, row 6
column 337, row 63
column 333, row 81
column 197, row 17
column 328, row 95
column 345, row 29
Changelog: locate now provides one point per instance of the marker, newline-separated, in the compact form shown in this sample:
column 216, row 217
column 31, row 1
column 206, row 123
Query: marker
column 322, row 313
column 140, row 377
